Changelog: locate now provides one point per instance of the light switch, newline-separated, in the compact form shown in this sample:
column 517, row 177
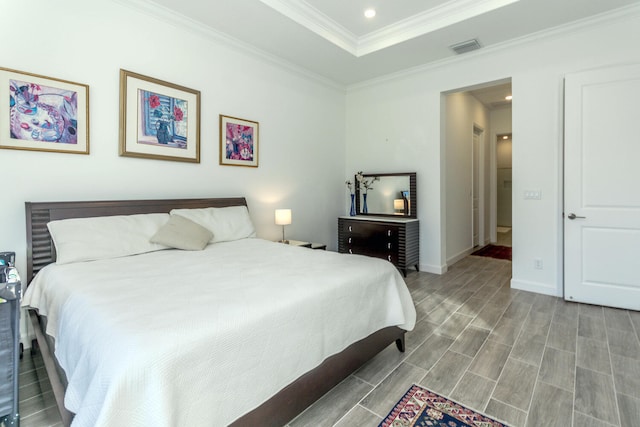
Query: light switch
column 532, row 194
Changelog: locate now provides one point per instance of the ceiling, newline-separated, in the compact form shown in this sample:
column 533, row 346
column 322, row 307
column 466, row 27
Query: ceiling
column 493, row 97
column 333, row 39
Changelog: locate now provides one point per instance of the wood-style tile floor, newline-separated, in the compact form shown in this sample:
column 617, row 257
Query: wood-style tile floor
column 37, row 407
column 523, row 358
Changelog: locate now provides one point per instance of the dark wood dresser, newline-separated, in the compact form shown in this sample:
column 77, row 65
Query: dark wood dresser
column 396, row 240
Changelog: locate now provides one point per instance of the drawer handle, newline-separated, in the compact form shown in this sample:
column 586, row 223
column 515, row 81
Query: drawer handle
column 349, row 239
column 350, row 251
column 350, row 228
column 389, row 258
column 388, row 245
column 389, row 233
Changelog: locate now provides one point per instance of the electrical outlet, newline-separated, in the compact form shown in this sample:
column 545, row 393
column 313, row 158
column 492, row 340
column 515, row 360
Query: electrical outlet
column 537, row 264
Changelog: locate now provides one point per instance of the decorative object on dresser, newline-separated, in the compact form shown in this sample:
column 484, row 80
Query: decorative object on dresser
column 366, row 185
column 352, row 210
column 44, row 114
column 283, row 217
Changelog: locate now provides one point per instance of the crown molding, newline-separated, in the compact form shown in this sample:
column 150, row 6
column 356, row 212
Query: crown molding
column 603, row 19
column 149, row 8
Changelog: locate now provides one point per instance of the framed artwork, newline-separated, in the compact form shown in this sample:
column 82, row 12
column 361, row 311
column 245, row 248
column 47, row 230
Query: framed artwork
column 158, row 119
column 43, row 113
column 238, row 142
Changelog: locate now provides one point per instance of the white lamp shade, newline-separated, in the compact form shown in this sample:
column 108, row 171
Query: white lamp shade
column 283, row 216
column 398, row 204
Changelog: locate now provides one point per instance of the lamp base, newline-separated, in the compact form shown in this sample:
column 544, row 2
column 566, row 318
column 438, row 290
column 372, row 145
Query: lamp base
column 283, row 239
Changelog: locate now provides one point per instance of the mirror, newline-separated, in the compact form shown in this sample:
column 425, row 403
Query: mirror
column 389, row 194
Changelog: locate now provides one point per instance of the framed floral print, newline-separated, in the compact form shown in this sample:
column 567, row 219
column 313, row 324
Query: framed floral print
column 238, row 142
column 158, row 119
column 43, row 113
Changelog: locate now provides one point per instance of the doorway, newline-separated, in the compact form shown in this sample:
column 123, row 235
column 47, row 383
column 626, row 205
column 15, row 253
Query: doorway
column 472, row 118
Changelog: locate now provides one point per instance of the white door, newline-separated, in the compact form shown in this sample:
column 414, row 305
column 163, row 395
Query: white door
column 602, row 187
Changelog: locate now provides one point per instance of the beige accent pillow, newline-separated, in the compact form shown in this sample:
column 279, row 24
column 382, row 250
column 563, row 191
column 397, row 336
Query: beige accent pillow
column 182, row 233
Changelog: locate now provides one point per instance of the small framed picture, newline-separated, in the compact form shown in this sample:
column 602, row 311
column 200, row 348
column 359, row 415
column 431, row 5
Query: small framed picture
column 158, row 119
column 44, row 114
column 238, row 142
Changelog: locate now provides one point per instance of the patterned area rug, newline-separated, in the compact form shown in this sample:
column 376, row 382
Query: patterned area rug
column 421, row 408
column 493, row 251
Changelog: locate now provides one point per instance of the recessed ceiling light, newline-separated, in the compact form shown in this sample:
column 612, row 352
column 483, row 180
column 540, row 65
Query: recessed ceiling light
column 505, row 136
column 508, row 97
column 370, row 13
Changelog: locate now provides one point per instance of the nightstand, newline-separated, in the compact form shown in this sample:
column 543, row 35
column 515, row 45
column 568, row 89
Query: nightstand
column 298, row 243
column 307, row 244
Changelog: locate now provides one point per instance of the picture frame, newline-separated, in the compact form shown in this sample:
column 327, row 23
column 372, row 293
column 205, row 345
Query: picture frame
column 44, row 114
column 239, row 141
column 158, row 119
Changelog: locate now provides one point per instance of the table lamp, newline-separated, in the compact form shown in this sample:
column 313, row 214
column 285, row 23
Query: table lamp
column 283, row 217
column 398, row 204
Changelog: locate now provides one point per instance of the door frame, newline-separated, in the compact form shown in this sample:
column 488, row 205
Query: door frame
column 480, row 131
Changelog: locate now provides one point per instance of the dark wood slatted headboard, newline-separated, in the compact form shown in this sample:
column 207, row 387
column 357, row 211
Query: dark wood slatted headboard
column 40, row 248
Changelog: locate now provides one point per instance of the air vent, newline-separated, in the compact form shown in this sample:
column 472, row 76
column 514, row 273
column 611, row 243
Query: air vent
column 466, row 46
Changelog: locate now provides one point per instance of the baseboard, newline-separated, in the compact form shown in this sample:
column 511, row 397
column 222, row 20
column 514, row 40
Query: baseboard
column 435, row 269
column 539, row 288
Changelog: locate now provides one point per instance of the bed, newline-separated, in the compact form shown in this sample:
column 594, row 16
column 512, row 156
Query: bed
column 226, row 335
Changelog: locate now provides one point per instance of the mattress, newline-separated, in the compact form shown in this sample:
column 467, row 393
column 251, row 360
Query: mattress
column 200, row 338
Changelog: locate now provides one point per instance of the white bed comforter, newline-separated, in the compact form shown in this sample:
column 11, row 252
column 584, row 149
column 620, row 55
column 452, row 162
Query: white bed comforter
column 177, row 338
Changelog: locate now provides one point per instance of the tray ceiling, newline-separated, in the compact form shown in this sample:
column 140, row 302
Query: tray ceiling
column 333, row 39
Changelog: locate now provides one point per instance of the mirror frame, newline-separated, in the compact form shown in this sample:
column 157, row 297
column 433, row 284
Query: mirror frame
column 413, row 196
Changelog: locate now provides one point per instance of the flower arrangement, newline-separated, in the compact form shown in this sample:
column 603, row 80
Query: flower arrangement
column 349, row 186
column 367, row 184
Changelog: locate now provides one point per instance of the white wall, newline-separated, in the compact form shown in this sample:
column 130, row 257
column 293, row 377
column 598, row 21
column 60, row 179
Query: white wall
column 301, row 164
column 394, row 124
column 463, row 112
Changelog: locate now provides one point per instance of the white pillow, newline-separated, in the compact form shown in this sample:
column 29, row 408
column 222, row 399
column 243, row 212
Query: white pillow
column 226, row 224
column 87, row 239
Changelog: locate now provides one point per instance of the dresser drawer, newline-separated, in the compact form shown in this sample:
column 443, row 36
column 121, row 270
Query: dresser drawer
column 371, row 235
column 369, row 228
